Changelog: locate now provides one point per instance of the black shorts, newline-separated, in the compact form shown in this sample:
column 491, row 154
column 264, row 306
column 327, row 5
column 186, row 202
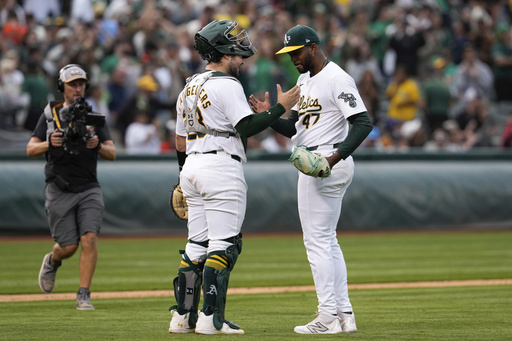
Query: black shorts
column 71, row 215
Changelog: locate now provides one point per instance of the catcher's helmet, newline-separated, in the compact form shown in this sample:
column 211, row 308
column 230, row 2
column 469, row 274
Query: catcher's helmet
column 222, row 37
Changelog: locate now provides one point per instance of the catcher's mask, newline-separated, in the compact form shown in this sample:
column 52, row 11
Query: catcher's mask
column 222, row 37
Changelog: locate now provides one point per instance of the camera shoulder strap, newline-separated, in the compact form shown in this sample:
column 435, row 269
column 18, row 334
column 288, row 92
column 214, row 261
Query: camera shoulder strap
column 52, row 119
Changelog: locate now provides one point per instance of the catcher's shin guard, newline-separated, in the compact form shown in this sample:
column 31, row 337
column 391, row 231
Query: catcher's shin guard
column 187, row 288
column 217, row 270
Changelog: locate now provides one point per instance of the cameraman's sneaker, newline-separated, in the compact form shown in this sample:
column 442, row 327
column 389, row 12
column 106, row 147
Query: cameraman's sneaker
column 47, row 273
column 179, row 323
column 205, row 325
column 348, row 322
column 323, row 324
column 83, row 299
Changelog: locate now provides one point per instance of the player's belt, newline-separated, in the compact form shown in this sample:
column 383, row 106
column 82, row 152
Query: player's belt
column 194, row 136
column 234, row 157
column 336, row 145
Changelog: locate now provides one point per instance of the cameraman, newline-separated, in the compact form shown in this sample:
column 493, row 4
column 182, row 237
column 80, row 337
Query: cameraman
column 74, row 201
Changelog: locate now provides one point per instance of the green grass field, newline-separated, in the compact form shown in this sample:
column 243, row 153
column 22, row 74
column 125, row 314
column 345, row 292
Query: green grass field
column 451, row 313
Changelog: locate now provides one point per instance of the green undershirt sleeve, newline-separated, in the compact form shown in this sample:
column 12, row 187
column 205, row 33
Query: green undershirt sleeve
column 256, row 123
column 286, row 127
column 361, row 127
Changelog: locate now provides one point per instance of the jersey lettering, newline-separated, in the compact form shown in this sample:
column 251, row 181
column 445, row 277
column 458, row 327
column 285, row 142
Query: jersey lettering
column 309, row 105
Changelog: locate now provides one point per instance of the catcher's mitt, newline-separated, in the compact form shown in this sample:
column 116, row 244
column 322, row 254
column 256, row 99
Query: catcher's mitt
column 309, row 163
column 178, row 203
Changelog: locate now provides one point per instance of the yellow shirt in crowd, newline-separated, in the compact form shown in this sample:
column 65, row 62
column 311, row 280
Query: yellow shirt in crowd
column 404, row 100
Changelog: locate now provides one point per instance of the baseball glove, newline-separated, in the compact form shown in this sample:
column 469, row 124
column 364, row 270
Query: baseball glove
column 309, row 163
column 178, row 203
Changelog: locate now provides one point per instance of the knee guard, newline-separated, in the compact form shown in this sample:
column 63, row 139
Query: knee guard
column 217, row 270
column 187, row 288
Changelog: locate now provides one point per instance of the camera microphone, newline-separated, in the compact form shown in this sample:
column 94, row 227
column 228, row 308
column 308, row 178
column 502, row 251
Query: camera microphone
column 65, row 114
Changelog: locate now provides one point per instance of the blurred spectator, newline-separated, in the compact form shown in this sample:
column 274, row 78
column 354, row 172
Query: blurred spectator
column 437, row 38
column 506, row 138
column 457, row 140
column 121, row 55
column 436, row 96
column 459, row 41
column 144, row 99
column 502, row 58
column 377, row 36
column 404, row 96
column 477, row 124
column 264, row 71
column 98, row 102
column 480, row 32
column 473, row 75
column 117, row 91
column 438, row 142
column 42, row 10
column 13, row 103
column 11, row 6
column 406, row 41
column 142, row 135
column 36, row 87
column 363, row 61
column 82, row 10
column 13, row 30
column 369, row 91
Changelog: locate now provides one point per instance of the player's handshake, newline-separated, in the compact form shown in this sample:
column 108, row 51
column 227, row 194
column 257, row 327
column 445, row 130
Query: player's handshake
column 288, row 99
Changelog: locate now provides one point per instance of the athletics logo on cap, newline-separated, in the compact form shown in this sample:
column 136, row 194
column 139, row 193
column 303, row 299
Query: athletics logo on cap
column 298, row 37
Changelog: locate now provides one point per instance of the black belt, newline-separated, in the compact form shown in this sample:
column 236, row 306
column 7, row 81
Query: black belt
column 336, row 145
column 234, row 157
column 195, row 136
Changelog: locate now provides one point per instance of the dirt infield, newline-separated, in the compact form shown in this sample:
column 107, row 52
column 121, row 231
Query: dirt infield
column 258, row 290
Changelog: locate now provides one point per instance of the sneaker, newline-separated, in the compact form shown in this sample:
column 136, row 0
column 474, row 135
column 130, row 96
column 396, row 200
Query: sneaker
column 323, row 324
column 83, row 299
column 179, row 323
column 47, row 274
column 348, row 322
column 205, row 325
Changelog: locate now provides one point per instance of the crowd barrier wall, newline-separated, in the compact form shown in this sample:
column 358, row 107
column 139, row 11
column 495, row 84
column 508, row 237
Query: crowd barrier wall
column 388, row 193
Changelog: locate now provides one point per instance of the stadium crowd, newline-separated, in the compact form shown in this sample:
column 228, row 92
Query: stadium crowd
column 434, row 74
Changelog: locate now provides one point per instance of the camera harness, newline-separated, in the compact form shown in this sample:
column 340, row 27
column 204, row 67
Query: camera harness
column 52, row 118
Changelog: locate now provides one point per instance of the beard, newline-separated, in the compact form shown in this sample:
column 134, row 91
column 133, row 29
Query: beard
column 233, row 69
column 307, row 65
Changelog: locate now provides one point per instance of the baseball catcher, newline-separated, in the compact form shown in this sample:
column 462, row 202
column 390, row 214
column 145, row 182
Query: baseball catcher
column 309, row 163
column 178, row 203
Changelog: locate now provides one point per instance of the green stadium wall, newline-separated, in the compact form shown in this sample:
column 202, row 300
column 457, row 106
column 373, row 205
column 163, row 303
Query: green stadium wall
column 389, row 193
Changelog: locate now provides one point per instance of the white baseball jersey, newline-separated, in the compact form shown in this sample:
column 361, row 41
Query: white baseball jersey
column 326, row 101
column 222, row 104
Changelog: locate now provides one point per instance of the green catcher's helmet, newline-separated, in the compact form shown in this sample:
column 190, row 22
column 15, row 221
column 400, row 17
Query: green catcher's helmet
column 222, row 37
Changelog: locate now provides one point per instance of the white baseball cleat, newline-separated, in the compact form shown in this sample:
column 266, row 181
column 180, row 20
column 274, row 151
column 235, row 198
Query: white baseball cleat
column 205, row 325
column 348, row 322
column 323, row 324
column 179, row 323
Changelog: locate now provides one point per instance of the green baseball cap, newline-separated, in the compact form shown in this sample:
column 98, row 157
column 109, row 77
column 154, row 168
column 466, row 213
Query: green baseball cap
column 298, row 37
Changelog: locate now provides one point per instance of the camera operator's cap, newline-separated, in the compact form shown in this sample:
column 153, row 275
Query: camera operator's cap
column 71, row 73
column 298, row 37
